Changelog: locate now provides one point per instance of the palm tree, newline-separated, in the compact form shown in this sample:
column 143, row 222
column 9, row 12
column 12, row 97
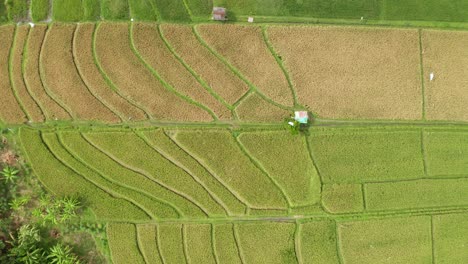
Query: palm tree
column 61, row 254
column 10, row 174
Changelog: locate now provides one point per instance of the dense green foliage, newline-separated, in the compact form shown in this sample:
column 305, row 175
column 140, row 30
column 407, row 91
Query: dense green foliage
column 17, row 9
column 39, row 9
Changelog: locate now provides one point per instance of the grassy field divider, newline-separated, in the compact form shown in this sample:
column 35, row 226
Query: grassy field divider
column 101, row 100
column 364, row 204
column 263, row 170
column 72, row 159
column 189, row 11
column 215, row 176
column 213, row 243
column 297, row 242
column 147, row 175
column 424, row 154
column 194, row 74
column 177, row 164
column 163, row 82
column 235, row 71
column 109, row 81
column 312, row 158
column 280, row 64
column 338, row 244
column 433, row 244
column 109, row 179
column 235, row 233
column 140, row 245
column 10, row 70
column 184, row 243
column 109, row 192
column 421, row 65
column 24, row 61
column 43, row 79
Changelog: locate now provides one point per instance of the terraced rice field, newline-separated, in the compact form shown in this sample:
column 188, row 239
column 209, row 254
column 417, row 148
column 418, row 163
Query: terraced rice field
column 174, row 136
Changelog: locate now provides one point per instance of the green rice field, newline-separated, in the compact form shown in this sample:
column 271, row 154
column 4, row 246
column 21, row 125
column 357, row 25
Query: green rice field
column 173, row 128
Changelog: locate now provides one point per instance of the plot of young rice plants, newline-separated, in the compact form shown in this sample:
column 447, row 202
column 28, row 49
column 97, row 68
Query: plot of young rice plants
column 446, row 153
column 317, row 242
column 268, row 242
column 199, row 243
column 151, row 46
column 148, row 243
column 450, row 238
column 32, row 77
column 251, row 56
column 63, row 80
column 254, row 108
column 211, row 70
column 345, row 72
column 172, row 243
column 61, row 180
column 67, row 10
column 170, row 10
column 114, row 9
column 10, row 110
column 286, row 159
column 211, row 147
column 225, row 243
column 445, row 56
column 86, row 66
column 143, row 10
column 398, row 240
column 137, row 82
column 355, row 156
column 30, row 107
column 342, row 198
column 122, row 242
column 39, row 10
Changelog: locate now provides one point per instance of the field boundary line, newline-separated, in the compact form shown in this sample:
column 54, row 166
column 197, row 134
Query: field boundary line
column 189, row 12
column 109, row 192
column 10, row 74
column 259, row 166
column 125, row 186
column 280, row 62
column 421, row 66
column 363, row 191
column 297, row 243
column 424, row 154
column 73, row 168
column 147, row 175
column 43, row 78
column 234, row 70
column 213, row 243
column 200, row 80
column 80, row 74
column 167, row 157
column 321, row 178
column 235, row 234
column 158, row 244
column 184, row 243
column 433, row 248
column 109, row 82
column 155, row 12
column 165, row 84
column 24, row 61
column 338, row 243
column 139, row 245
column 214, row 175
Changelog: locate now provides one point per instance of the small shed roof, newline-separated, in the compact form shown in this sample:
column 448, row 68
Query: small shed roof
column 219, row 13
column 301, row 117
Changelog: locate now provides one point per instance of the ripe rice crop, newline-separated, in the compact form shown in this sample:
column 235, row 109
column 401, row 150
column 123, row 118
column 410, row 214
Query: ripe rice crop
column 154, row 51
column 267, row 242
column 223, row 81
column 295, row 173
column 130, row 150
column 317, row 242
column 137, row 82
column 425, row 193
column 342, row 198
column 345, row 72
column 445, row 55
column 255, row 109
column 225, row 244
column 62, row 181
column 357, row 156
column 446, row 153
column 93, row 78
column 10, row 110
column 238, row 173
column 199, row 243
column 33, row 111
column 32, row 78
column 62, row 78
column 165, row 145
column 122, row 243
column 245, row 48
column 401, row 240
column 451, row 238
column 148, row 243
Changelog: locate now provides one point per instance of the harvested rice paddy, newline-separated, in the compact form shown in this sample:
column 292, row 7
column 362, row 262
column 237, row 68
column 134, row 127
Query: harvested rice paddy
column 174, row 134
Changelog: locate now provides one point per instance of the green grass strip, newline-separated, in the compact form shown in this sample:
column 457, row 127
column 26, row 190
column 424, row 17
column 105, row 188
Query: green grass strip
column 164, row 83
column 421, row 65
